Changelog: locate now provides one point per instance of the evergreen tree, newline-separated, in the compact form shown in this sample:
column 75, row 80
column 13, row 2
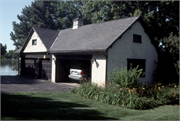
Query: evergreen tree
column 3, row 49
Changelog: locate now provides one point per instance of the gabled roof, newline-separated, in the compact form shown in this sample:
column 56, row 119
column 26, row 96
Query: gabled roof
column 92, row 37
column 47, row 36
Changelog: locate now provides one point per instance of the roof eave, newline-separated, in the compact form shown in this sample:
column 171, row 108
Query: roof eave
column 18, row 51
column 139, row 17
column 26, row 41
column 75, row 51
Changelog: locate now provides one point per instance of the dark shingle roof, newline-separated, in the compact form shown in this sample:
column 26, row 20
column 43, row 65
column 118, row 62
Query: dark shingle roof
column 47, row 35
column 18, row 50
column 93, row 37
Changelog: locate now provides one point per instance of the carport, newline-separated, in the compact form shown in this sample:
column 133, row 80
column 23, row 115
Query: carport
column 66, row 62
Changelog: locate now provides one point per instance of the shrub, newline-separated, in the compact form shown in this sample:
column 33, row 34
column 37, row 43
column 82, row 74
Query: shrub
column 126, row 91
column 142, row 97
column 126, row 78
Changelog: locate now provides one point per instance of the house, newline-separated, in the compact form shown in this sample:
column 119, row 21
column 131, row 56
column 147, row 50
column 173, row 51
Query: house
column 107, row 45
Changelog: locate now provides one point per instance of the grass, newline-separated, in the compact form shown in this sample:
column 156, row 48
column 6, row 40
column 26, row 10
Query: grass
column 67, row 106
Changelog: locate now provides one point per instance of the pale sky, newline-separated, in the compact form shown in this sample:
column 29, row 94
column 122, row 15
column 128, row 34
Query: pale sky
column 9, row 9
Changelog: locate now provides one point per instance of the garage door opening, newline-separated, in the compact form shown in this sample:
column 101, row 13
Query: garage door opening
column 45, row 69
column 29, row 67
column 37, row 68
column 73, row 70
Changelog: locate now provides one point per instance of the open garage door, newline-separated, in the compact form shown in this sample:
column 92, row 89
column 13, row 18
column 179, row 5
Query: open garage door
column 63, row 70
column 73, row 70
column 37, row 68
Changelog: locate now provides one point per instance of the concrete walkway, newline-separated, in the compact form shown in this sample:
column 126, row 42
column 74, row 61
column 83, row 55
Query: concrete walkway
column 29, row 84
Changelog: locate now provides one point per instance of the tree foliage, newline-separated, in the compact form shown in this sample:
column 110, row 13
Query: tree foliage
column 168, row 64
column 10, row 55
column 3, row 49
column 100, row 11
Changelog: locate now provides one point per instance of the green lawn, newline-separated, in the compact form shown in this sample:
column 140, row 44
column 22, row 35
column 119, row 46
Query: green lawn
column 62, row 106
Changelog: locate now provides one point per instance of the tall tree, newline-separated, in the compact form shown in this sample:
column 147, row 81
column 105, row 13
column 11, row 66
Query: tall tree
column 65, row 12
column 161, row 17
column 168, row 64
column 3, row 49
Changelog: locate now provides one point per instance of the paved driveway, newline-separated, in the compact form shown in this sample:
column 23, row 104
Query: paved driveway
column 29, row 84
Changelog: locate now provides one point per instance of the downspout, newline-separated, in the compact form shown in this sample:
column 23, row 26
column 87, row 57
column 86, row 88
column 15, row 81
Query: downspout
column 106, row 65
column 18, row 65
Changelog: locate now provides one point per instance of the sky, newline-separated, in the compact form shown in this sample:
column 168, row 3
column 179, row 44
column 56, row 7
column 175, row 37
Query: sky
column 9, row 9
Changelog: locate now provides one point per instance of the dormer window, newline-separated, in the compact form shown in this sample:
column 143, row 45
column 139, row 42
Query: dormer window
column 34, row 42
column 137, row 38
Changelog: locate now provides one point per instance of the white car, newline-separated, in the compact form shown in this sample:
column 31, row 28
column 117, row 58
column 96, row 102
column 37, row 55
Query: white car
column 81, row 71
column 77, row 74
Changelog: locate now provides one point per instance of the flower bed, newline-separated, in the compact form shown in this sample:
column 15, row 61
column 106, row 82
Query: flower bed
column 131, row 95
column 144, row 97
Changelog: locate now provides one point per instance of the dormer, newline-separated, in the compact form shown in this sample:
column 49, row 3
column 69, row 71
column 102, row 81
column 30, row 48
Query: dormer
column 77, row 23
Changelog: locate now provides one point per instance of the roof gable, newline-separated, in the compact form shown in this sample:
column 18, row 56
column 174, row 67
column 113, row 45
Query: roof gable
column 93, row 37
column 37, row 47
column 47, row 36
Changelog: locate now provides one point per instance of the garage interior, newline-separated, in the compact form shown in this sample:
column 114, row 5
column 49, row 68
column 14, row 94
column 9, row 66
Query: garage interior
column 37, row 66
column 65, row 63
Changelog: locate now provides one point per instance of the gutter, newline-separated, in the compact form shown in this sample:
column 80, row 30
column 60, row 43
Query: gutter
column 74, row 51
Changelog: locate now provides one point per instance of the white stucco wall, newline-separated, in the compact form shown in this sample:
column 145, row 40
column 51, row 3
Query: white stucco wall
column 39, row 47
column 125, row 48
column 98, row 71
column 53, row 69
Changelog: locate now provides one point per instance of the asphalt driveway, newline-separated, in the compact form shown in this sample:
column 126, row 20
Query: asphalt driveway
column 29, row 84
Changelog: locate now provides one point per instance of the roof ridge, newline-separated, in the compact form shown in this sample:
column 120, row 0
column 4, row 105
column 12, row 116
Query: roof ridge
column 104, row 22
column 44, row 28
column 113, row 20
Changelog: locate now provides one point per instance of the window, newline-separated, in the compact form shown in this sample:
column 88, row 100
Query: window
column 34, row 42
column 135, row 63
column 137, row 38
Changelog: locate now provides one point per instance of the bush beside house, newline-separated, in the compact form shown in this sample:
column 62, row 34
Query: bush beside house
column 127, row 92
